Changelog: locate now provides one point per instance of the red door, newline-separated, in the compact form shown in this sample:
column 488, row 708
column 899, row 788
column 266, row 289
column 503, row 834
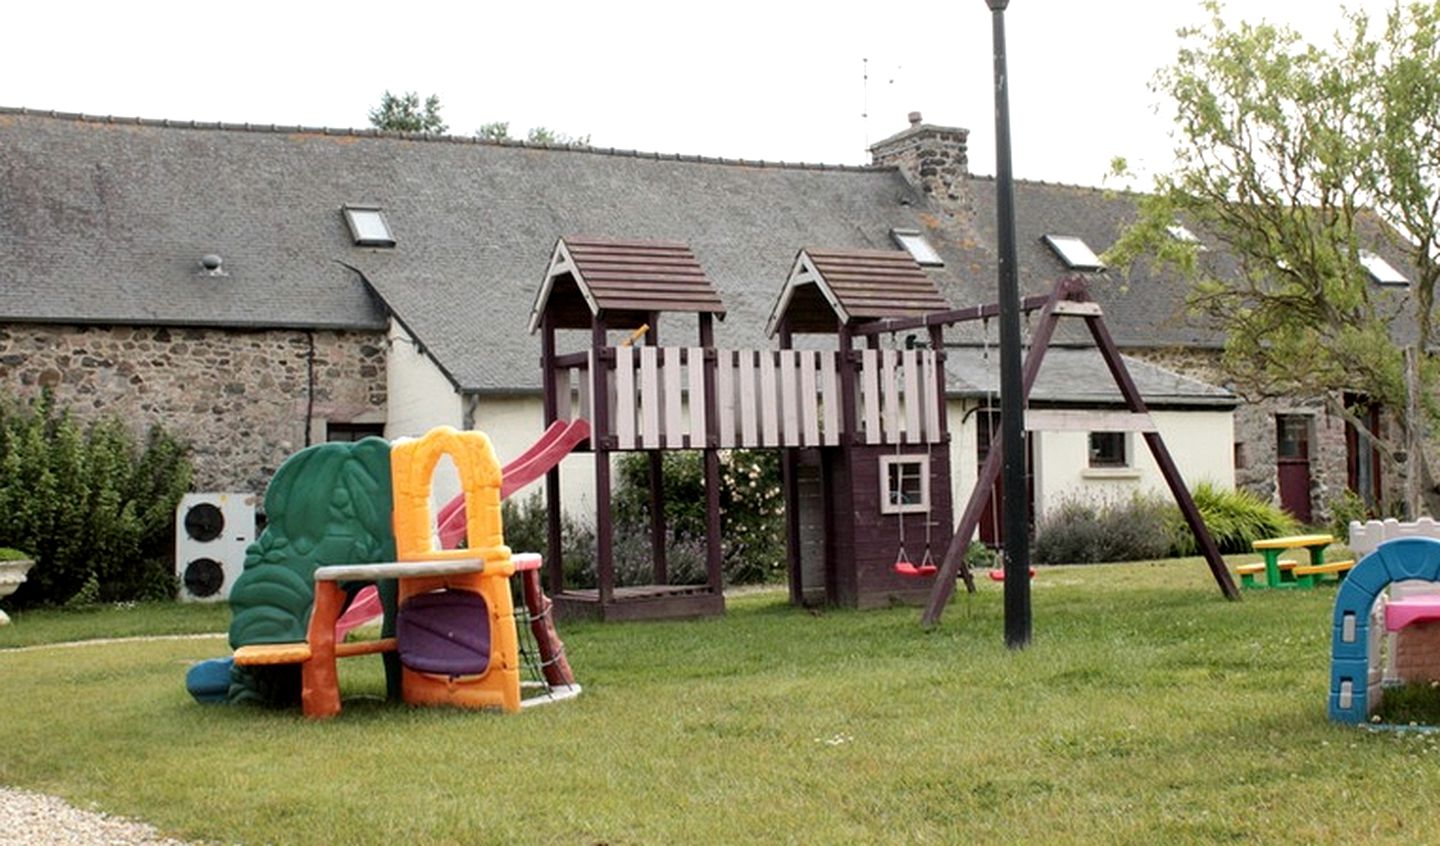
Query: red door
column 987, row 430
column 1292, row 460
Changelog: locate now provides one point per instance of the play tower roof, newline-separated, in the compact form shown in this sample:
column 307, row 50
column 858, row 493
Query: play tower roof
column 827, row 288
column 622, row 281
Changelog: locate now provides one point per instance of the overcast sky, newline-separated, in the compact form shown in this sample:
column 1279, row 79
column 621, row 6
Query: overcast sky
column 777, row 80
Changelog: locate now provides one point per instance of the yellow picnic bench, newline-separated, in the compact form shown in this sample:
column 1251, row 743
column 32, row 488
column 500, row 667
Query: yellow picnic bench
column 1288, row 573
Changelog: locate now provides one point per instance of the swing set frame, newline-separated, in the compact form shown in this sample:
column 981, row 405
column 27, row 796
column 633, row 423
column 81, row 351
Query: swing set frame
column 1070, row 298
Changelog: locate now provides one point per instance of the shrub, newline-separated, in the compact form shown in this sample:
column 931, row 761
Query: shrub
column 1236, row 519
column 526, row 530
column 751, row 513
column 96, row 510
column 1085, row 531
column 1344, row 508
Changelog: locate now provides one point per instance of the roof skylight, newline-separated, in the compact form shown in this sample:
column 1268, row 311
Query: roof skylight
column 368, row 226
column 919, row 249
column 1076, row 254
column 1381, row 270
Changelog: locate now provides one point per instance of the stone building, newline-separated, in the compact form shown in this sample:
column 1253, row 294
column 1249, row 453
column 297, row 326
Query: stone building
column 255, row 289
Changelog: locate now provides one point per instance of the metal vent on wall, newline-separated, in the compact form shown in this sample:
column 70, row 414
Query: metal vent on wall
column 212, row 531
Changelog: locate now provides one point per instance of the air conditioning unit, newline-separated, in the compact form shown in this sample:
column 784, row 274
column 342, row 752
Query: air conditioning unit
column 211, row 533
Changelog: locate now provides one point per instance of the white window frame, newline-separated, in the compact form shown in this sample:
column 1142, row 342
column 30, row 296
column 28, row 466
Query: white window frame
column 913, row 242
column 368, row 226
column 1126, row 463
column 920, row 461
column 1073, row 250
column 1382, row 271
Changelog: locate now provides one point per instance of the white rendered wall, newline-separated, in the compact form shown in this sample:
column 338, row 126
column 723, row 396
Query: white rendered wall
column 419, row 398
column 513, row 424
column 1201, row 442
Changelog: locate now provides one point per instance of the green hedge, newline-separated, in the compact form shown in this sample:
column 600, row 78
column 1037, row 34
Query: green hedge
column 1149, row 526
column 95, row 508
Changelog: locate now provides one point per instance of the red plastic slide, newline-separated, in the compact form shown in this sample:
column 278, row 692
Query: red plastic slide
column 556, row 443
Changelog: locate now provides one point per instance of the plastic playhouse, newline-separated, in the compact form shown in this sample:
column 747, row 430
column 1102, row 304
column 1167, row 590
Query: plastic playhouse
column 1387, row 617
column 346, row 517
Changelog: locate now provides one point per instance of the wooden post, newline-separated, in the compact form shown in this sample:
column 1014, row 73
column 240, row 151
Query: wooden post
column 659, row 564
column 554, row 547
column 714, row 564
column 600, row 437
column 789, row 477
column 849, row 430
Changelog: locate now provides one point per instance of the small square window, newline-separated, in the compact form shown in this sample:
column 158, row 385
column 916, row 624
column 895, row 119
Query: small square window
column 349, row 432
column 919, row 249
column 1381, row 270
column 1076, row 254
column 368, row 226
column 904, row 484
column 1109, row 449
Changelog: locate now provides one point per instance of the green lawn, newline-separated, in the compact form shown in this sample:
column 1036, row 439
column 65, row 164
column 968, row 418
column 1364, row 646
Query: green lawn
column 1148, row 710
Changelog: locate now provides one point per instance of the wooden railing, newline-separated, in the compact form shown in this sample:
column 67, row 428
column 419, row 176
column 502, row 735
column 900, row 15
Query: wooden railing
column 764, row 398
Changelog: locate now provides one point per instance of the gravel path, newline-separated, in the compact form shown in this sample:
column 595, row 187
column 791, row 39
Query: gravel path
column 34, row 819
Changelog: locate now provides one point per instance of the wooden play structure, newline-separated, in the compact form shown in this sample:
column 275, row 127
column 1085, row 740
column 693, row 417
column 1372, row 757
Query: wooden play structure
column 863, row 430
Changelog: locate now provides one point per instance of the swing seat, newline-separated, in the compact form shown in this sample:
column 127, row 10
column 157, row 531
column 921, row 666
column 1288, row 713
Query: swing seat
column 999, row 574
column 905, row 568
column 925, row 568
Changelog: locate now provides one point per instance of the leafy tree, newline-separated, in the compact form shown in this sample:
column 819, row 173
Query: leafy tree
column 404, row 113
column 494, row 131
column 1297, row 158
column 545, row 135
column 95, row 508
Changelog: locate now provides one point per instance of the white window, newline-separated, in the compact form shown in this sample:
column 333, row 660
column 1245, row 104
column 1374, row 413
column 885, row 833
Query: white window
column 904, row 483
column 1076, row 254
column 1381, row 270
column 919, row 249
column 368, row 226
column 1109, row 449
column 1180, row 232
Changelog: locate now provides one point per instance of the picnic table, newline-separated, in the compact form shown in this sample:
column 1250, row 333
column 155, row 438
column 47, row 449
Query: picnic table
column 1281, row 573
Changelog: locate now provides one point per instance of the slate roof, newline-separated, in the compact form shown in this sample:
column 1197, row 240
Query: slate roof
column 104, row 221
column 1077, row 376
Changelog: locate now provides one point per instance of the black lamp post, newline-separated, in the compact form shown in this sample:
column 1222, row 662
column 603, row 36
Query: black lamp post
column 1016, row 506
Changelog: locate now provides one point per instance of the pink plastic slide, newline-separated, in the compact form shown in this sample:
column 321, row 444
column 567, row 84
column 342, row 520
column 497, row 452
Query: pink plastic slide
column 556, row 443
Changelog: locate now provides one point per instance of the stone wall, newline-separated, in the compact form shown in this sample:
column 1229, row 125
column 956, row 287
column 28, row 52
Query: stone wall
column 241, row 399
column 1255, row 436
column 935, row 159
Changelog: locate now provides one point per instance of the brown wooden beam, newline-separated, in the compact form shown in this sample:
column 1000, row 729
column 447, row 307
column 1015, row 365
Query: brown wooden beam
column 943, row 318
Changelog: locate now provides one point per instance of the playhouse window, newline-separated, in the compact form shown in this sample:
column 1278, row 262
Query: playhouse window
column 1108, row 449
column 904, row 483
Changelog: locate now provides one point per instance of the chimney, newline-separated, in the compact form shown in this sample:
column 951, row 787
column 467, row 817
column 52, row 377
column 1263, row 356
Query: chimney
column 932, row 158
